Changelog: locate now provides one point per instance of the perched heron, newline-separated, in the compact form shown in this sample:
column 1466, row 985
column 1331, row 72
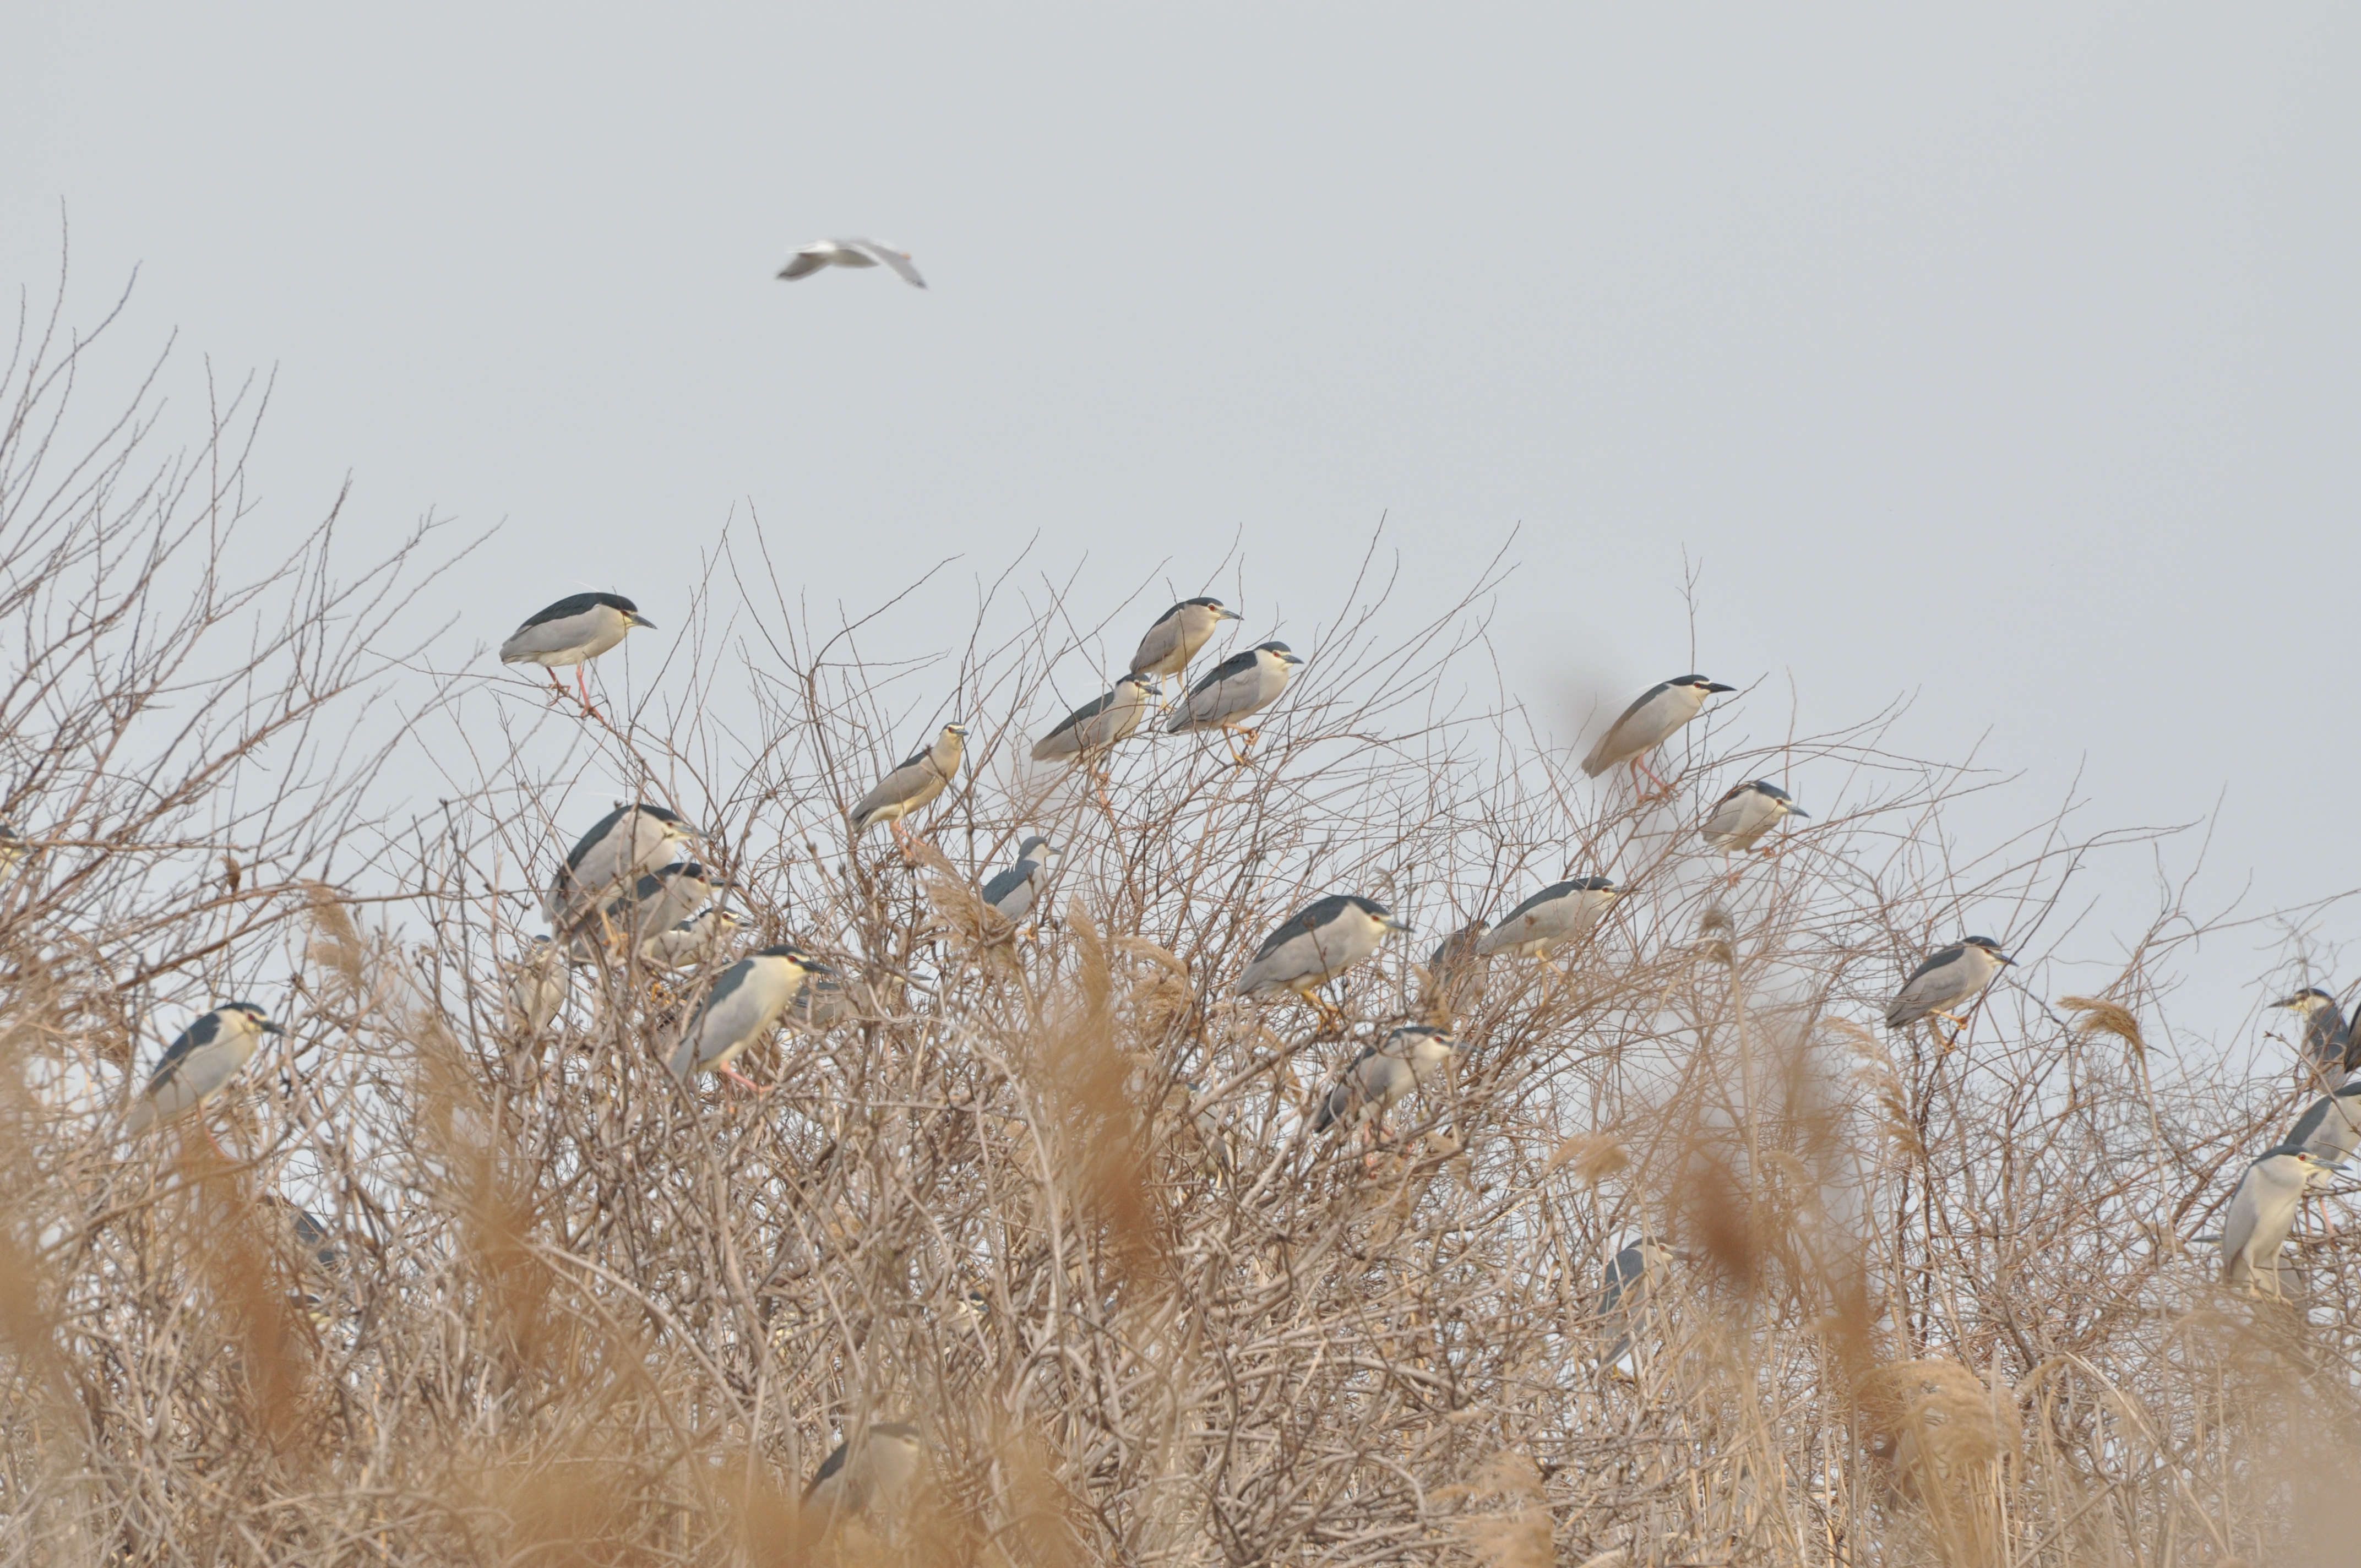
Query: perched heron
column 1178, row 634
column 693, row 942
column 1623, row 1295
column 1236, row 690
column 656, row 902
column 1314, row 945
column 822, row 253
column 1100, row 722
column 1186, row 1119
column 620, row 846
column 819, row 1001
column 848, row 1485
column 1406, row 1058
column 744, row 1005
column 201, row 1062
column 1455, row 969
column 1949, row 978
column 1649, row 723
column 537, row 986
column 1742, row 817
column 1561, row 913
column 574, row 631
column 1015, row 892
column 910, row 786
column 2263, row 1212
column 13, row 847
column 2327, row 1036
column 310, row 1232
column 2331, row 1126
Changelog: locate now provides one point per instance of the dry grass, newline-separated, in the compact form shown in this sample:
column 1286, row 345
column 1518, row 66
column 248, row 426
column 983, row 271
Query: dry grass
column 1053, row 1195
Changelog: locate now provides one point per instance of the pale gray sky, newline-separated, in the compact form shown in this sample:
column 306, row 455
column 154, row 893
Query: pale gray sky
column 2004, row 357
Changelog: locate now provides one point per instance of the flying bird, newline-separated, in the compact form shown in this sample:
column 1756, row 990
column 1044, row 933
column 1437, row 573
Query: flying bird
column 1314, row 945
column 620, row 846
column 822, row 253
column 1946, row 980
column 574, row 631
column 1013, row 892
column 1648, row 723
column 2263, row 1211
column 1178, row 634
column 1236, row 690
column 910, row 786
column 200, row 1063
column 1561, row 913
column 745, row 1004
column 1375, row 1081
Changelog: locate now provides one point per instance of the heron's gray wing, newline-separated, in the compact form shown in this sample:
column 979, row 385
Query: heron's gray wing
column 201, row 1033
column 1603, row 754
column 1162, row 640
column 907, row 782
column 1549, row 894
column 1007, row 881
column 2238, row 1224
column 598, row 830
column 1235, row 665
column 803, row 264
column 1304, row 921
column 690, row 1056
column 1048, row 745
column 1947, row 956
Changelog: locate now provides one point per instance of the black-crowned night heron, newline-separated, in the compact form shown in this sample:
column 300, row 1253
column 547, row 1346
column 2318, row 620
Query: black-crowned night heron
column 692, row 943
column 574, row 631
column 1648, row 723
column 2327, row 1037
column 620, row 848
column 1314, row 945
column 653, row 903
column 820, row 1002
column 1409, row 1058
column 537, row 986
column 1561, row 913
column 2331, row 1126
column 1742, row 817
column 12, row 848
column 746, row 1003
column 2263, row 1212
column 909, row 787
column 1946, row 981
column 310, row 1232
column 1176, row 635
column 1457, row 969
column 853, row 1486
column 201, row 1063
column 1624, row 1296
column 822, row 253
column 1187, row 1120
column 1015, row 891
column 1234, row 691
column 1100, row 722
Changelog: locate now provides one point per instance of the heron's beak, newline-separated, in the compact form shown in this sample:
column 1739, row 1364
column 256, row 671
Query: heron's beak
column 1291, row 658
column 1798, row 811
column 644, row 621
column 270, row 1028
column 2006, row 960
column 1228, row 614
column 1392, row 924
column 1713, row 686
